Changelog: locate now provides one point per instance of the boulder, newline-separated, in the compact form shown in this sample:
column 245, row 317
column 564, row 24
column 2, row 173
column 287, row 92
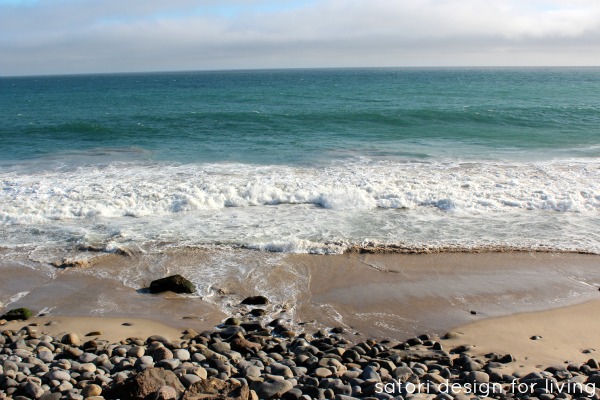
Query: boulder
column 173, row 283
column 255, row 300
column 146, row 385
column 17, row 313
column 216, row 389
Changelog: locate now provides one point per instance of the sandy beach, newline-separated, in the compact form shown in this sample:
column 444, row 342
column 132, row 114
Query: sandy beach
column 376, row 295
column 540, row 308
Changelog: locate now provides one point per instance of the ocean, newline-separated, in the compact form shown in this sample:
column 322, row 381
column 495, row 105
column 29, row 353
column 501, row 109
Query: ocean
column 301, row 161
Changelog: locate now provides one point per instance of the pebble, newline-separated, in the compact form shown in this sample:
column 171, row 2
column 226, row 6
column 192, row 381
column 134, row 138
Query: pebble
column 251, row 353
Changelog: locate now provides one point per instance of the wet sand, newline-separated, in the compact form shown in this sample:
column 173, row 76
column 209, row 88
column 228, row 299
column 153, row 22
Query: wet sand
column 376, row 295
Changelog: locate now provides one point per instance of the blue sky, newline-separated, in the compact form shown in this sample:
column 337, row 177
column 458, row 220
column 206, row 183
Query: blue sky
column 86, row 36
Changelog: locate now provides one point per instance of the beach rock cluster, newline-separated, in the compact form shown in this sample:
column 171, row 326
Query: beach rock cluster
column 248, row 359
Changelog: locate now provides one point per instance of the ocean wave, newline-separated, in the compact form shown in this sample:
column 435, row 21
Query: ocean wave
column 136, row 190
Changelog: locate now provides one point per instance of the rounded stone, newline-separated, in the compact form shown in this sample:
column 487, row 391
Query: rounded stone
column 136, row 351
column 91, row 390
column 322, row 372
column 59, row 375
column 87, row 367
column 189, row 379
column 162, row 353
column 182, row 354
column 71, row 339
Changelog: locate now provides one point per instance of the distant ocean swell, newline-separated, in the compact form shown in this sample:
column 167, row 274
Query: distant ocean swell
column 348, row 205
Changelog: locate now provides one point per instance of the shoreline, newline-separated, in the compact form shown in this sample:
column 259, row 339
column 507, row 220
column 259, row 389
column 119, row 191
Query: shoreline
column 379, row 295
column 334, row 326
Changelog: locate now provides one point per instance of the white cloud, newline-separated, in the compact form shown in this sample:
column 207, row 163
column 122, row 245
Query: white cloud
column 101, row 36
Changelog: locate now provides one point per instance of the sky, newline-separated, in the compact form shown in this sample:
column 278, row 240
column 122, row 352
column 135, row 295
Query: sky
column 39, row 37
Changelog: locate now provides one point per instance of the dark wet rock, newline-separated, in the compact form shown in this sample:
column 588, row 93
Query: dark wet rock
column 70, row 263
column 252, row 326
column 17, row 314
column 173, row 283
column 461, row 349
column 233, row 321
column 255, row 300
column 257, row 312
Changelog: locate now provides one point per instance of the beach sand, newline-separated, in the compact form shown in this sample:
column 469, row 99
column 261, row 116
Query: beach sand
column 376, row 295
column 492, row 302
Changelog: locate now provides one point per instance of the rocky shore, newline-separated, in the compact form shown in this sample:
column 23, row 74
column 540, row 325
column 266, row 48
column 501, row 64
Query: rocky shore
column 257, row 358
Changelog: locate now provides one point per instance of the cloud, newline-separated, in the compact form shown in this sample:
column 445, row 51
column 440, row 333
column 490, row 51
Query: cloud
column 69, row 36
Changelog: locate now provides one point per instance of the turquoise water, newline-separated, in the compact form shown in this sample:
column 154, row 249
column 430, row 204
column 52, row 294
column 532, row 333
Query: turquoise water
column 303, row 160
column 303, row 117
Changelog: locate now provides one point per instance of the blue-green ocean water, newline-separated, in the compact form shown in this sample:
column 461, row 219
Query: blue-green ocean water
column 303, row 160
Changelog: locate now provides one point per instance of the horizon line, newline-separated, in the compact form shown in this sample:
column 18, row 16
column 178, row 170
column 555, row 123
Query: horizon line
column 182, row 71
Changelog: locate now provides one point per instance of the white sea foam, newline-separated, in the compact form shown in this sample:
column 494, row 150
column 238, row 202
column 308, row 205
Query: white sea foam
column 297, row 209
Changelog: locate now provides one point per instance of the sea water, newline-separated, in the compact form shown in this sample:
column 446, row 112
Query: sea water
column 302, row 161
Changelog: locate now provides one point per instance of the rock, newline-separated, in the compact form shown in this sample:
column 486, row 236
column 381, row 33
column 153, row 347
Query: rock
column 71, row 339
column 189, row 379
column 173, row 283
column 157, row 338
column 182, row 355
column 214, row 388
column 370, row 374
column 233, row 321
column 91, row 390
column 535, row 337
column 280, row 369
column 255, row 300
column 33, row 390
column 271, row 389
column 478, row 377
column 166, row 393
column 59, row 375
column 245, row 345
column 147, row 383
column 162, row 353
column 94, row 333
column 507, row 358
column 322, row 372
column 70, row 263
column 17, row 313
column 52, row 396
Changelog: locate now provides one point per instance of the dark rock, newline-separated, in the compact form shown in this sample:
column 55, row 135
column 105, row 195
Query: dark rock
column 252, row 326
column 245, row 345
column 232, row 321
column 17, row 313
column 508, row 358
column 174, row 283
column 255, row 300
column 271, row 389
column 257, row 312
column 293, row 394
